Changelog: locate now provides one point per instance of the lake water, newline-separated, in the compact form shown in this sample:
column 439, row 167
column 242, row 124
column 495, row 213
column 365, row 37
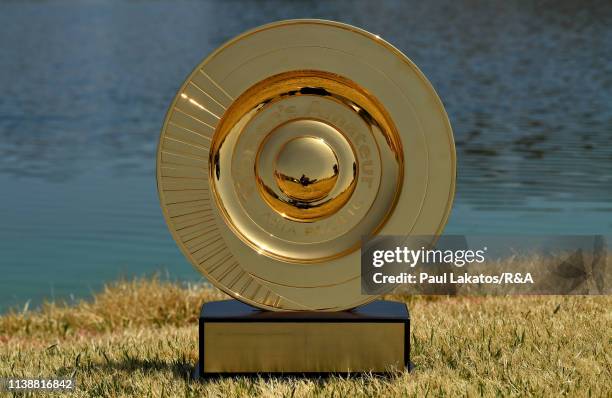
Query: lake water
column 84, row 87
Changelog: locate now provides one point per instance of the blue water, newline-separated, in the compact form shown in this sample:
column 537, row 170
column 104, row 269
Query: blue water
column 84, row 87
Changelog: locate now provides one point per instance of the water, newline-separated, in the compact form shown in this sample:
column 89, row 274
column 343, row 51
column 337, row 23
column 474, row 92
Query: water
column 84, row 87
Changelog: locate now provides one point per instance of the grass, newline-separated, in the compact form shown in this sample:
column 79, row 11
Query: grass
column 138, row 338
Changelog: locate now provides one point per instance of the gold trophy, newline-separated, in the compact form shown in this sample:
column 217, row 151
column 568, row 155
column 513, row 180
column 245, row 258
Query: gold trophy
column 282, row 150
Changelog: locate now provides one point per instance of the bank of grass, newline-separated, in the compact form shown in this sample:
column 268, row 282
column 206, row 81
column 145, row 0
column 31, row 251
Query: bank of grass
column 138, row 338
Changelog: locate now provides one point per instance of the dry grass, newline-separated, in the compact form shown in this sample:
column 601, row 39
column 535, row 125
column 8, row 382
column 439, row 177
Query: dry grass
column 139, row 339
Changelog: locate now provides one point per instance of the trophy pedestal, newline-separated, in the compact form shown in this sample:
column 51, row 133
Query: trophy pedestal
column 235, row 338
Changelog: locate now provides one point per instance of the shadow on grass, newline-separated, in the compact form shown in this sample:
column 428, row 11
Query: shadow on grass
column 180, row 369
column 319, row 378
column 185, row 370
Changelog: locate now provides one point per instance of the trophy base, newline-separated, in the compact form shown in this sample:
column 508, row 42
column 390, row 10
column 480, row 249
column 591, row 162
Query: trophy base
column 235, row 338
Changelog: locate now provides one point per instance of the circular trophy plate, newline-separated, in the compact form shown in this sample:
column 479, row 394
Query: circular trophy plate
column 290, row 144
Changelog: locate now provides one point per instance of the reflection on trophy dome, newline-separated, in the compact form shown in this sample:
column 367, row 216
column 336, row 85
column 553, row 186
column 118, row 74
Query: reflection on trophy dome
column 306, row 169
column 303, row 176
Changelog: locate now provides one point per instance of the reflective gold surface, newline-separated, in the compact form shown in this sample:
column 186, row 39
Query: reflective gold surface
column 298, row 171
column 293, row 347
column 287, row 146
column 306, row 169
column 271, row 114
